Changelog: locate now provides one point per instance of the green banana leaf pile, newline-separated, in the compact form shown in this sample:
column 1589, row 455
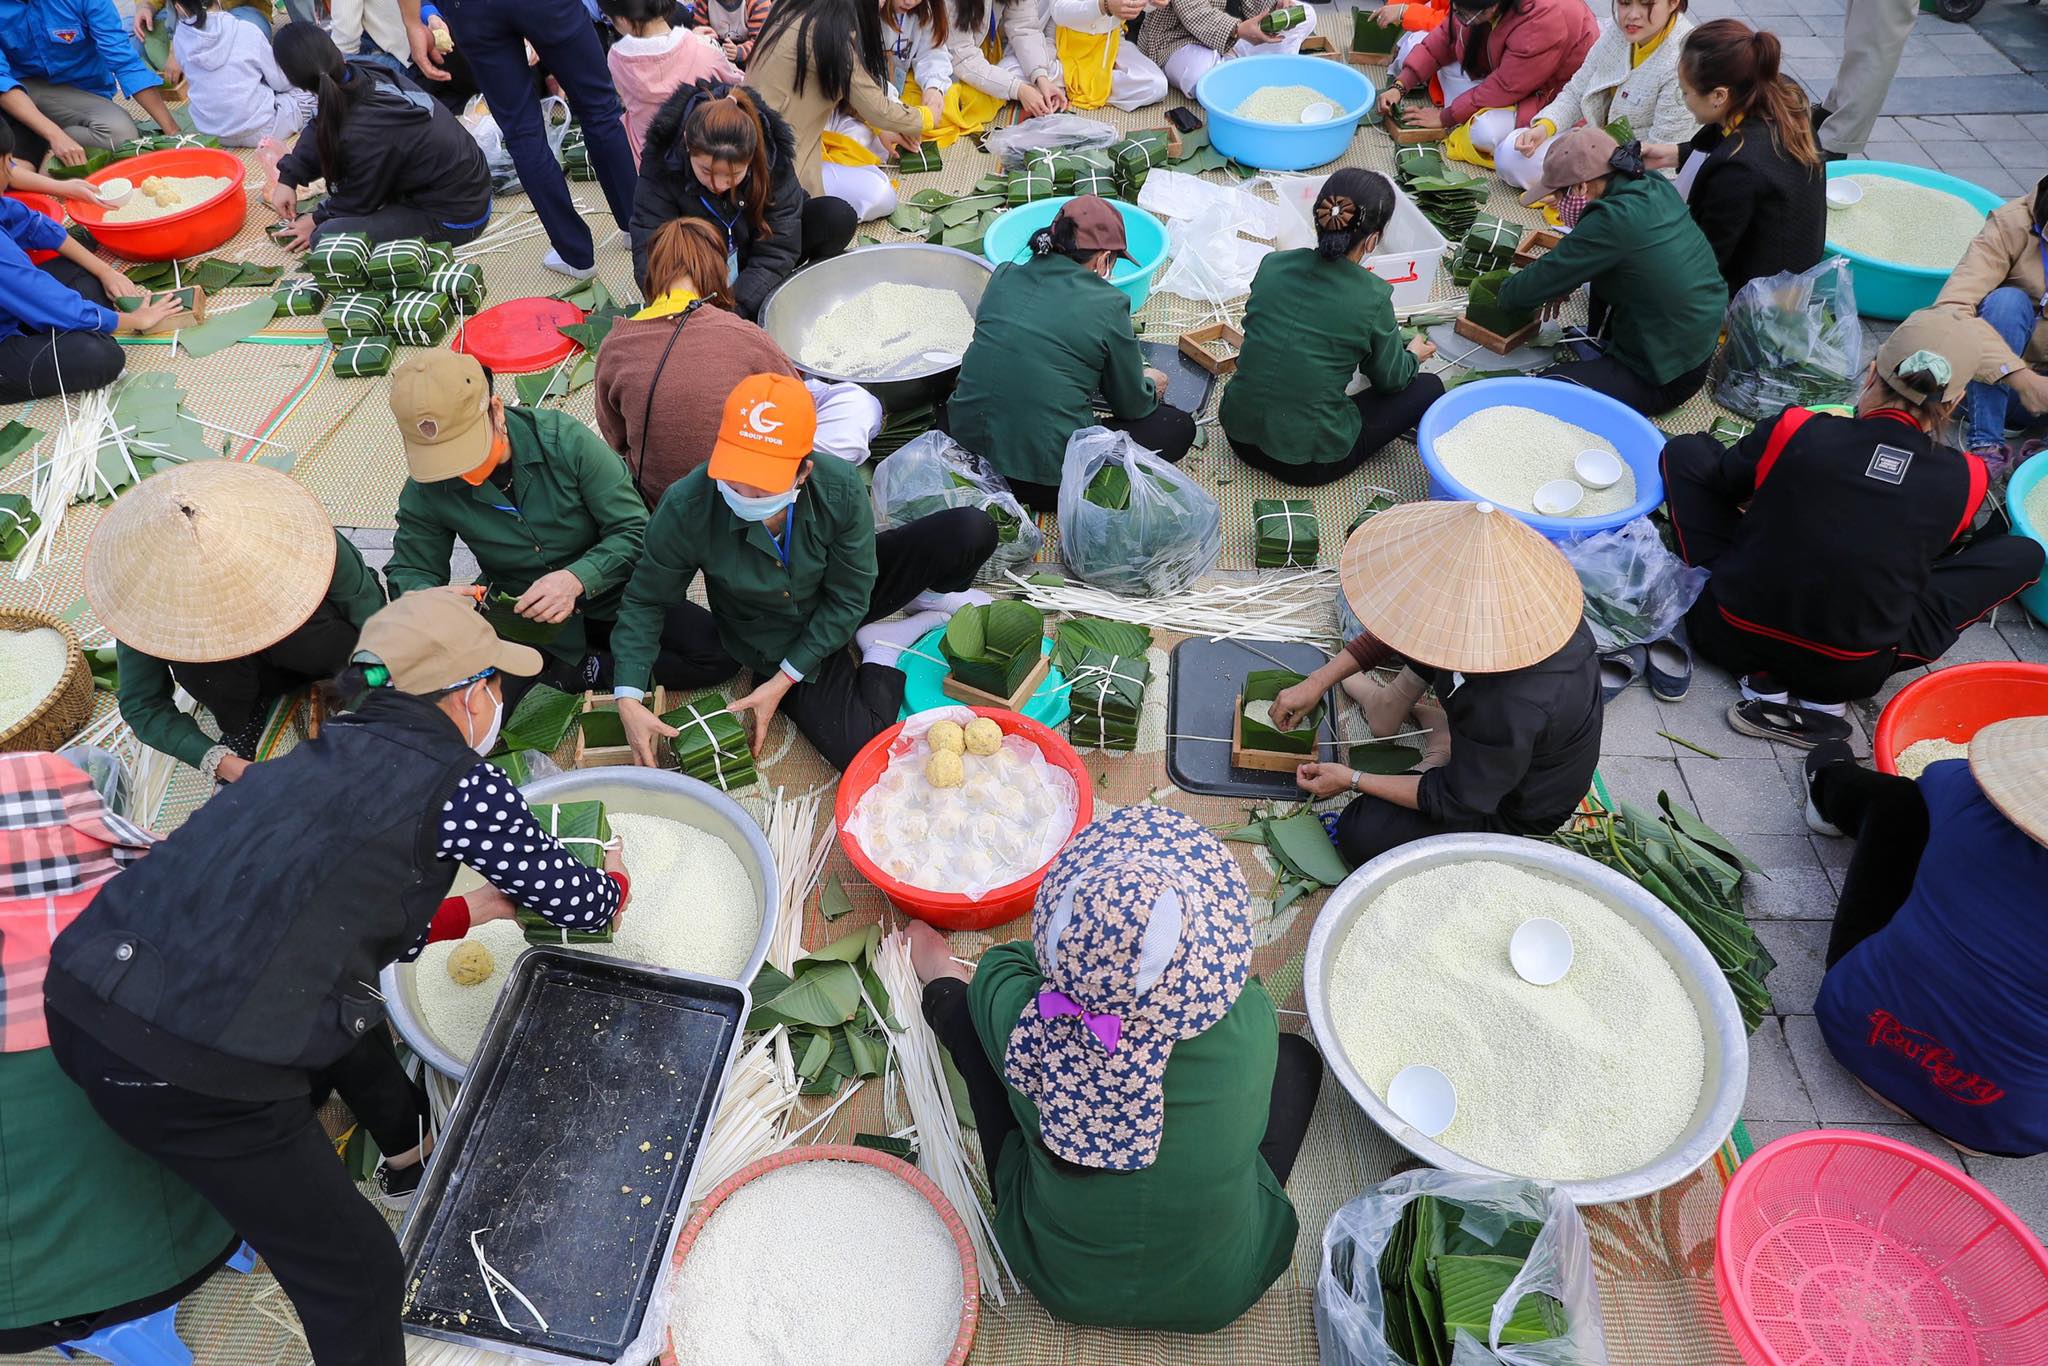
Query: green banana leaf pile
column 992, row 646
column 1442, row 1272
column 834, row 1007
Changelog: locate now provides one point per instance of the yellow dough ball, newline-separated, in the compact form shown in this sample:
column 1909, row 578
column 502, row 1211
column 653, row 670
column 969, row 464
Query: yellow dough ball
column 944, row 769
column 983, row 736
column 470, row 963
column 946, row 735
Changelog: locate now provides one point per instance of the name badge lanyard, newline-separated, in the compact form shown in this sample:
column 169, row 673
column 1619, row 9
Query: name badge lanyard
column 732, row 250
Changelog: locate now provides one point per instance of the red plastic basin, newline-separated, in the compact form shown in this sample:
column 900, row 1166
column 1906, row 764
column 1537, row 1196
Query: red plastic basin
column 175, row 236
column 48, row 208
column 950, row 910
column 1956, row 703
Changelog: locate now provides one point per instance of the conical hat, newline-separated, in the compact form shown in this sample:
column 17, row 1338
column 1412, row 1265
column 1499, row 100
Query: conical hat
column 1461, row 586
column 209, row 561
column 2009, row 760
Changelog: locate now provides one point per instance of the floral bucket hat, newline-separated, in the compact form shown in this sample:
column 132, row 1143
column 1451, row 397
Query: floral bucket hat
column 1143, row 932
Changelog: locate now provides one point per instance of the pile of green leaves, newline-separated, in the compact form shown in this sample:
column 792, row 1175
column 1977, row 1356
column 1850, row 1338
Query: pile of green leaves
column 1078, row 635
column 992, row 646
column 584, row 830
column 1443, row 1270
column 1482, row 305
column 213, row 274
column 711, row 742
column 1693, row 869
column 1447, row 196
column 958, row 221
column 1299, row 844
column 157, row 433
column 835, row 1009
column 1796, row 345
column 542, row 720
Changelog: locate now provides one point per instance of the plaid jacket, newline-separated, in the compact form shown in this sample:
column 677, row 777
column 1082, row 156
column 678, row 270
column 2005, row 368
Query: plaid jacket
column 58, row 845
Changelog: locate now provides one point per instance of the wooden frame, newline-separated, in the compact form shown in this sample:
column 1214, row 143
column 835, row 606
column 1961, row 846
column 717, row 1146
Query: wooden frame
column 1195, row 343
column 586, row 755
column 1534, row 243
column 1493, row 341
column 190, row 316
column 1413, row 137
column 975, row 697
column 1263, row 760
column 1316, row 45
column 1367, row 58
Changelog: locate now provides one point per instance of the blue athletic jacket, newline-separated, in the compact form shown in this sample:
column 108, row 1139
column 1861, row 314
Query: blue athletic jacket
column 31, row 300
column 80, row 43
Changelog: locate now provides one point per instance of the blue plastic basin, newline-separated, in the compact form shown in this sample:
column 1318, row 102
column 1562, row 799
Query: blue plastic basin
column 1276, row 146
column 1639, row 442
column 1886, row 289
column 2023, row 482
column 1009, row 239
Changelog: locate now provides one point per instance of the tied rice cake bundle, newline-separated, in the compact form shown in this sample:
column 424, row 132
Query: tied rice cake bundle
column 364, row 357
column 711, row 743
column 301, row 296
column 924, row 159
column 348, row 316
column 404, row 264
column 576, row 155
column 341, row 259
column 461, row 283
column 1482, row 306
column 1261, row 687
column 1284, row 533
column 1136, row 156
column 584, row 831
column 1108, row 698
column 18, row 522
column 993, row 647
column 1035, row 179
column 420, row 319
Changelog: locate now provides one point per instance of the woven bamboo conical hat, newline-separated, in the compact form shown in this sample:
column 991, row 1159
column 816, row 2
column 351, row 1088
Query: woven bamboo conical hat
column 209, row 561
column 1461, row 586
column 2009, row 760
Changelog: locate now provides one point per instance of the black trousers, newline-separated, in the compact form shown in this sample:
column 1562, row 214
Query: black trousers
column 240, row 692
column 373, row 1083
column 37, row 365
column 1382, row 417
column 1297, row 1078
column 827, row 228
column 1609, row 376
column 1167, row 431
column 844, row 704
column 272, row 1174
column 1368, row 826
column 394, row 221
column 1887, row 817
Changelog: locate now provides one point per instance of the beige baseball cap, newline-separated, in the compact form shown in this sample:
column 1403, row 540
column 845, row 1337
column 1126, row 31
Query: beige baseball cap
column 431, row 640
column 443, row 407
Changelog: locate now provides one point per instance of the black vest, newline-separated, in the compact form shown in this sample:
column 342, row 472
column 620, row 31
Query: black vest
column 244, row 950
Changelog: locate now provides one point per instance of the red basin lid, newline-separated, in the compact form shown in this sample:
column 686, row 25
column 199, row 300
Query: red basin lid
column 519, row 336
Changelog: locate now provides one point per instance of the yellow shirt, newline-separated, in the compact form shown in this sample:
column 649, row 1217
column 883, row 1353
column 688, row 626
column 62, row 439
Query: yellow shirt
column 1639, row 53
column 667, row 306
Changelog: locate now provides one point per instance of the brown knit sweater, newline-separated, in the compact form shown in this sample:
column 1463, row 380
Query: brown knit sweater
column 714, row 352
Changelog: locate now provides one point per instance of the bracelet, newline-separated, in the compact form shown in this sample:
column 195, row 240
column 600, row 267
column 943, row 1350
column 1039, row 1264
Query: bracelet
column 1353, row 783
column 209, row 767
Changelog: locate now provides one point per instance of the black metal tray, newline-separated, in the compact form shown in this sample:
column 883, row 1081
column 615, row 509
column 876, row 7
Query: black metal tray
column 1204, row 678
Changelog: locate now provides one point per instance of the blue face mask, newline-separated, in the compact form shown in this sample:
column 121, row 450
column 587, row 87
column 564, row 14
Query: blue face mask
column 755, row 509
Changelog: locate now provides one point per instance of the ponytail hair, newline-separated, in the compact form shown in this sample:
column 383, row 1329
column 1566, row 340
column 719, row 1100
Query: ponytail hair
column 1057, row 239
column 730, row 127
column 310, row 61
column 692, row 248
column 1353, row 204
column 1730, row 54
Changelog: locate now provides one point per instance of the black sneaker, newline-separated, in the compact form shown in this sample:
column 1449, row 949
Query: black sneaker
column 1801, row 727
column 1822, row 755
column 397, row 1186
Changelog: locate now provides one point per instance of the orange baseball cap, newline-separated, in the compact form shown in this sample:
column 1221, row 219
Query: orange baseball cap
column 769, row 426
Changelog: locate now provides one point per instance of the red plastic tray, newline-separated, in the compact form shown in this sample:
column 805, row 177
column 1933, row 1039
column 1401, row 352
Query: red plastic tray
column 519, row 336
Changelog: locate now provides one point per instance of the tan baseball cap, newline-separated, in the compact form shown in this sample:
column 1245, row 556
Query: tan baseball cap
column 431, row 640
column 1573, row 158
column 443, row 408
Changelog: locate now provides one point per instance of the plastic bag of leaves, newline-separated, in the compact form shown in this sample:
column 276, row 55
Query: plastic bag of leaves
column 1130, row 522
column 932, row 472
column 1793, row 340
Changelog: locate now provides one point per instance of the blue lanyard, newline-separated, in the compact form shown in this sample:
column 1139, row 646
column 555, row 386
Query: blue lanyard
column 782, row 542
column 727, row 223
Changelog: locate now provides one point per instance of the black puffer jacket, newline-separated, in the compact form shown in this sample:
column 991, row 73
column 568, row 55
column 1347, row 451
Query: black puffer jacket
column 398, row 147
column 669, row 190
column 1763, row 212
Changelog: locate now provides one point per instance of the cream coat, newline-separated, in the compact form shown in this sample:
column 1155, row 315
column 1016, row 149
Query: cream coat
column 1605, row 89
column 2004, row 252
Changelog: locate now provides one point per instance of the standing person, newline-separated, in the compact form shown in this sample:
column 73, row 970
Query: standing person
column 1873, row 39
column 796, row 578
column 652, row 60
column 1187, row 38
column 62, row 63
column 1657, row 296
column 1138, row 1108
column 1752, row 174
column 1999, row 282
column 1049, row 335
column 1316, row 317
column 493, row 36
column 235, row 91
column 1841, row 547
column 1498, row 63
column 1490, row 614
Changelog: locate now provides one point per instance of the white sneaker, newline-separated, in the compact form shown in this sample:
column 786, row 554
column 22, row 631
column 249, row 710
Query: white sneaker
column 553, row 261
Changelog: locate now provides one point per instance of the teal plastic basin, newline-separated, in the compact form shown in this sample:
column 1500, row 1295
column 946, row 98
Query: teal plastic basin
column 1886, row 289
column 924, row 679
column 2023, row 482
column 1009, row 239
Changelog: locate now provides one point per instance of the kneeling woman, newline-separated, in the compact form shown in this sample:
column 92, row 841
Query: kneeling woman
column 2001, row 281
column 1139, row 1109
column 1498, row 63
column 795, row 575
column 1315, row 317
column 1491, row 615
column 1050, row 334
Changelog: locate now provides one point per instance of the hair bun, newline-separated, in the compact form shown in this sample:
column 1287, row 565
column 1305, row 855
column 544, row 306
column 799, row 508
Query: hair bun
column 1336, row 213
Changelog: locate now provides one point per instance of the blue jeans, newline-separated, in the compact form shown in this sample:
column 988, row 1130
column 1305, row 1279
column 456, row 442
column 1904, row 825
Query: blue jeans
column 2011, row 311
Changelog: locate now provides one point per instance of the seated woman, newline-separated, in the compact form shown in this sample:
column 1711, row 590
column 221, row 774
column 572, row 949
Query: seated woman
column 1050, row 334
column 1138, row 1108
column 1500, row 634
column 102, row 1235
column 1752, row 175
column 1841, row 547
column 718, row 153
column 1631, row 72
column 914, row 43
column 1933, row 994
column 396, row 162
column 820, row 64
column 226, row 580
column 1187, row 38
column 1096, row 65
column 56, row 320
column 1999, row 282
column 236, row 92
column 1315, row 317
column 1000, row 54
column 1498, row 63
column 654, row 58
column 63, row 65
column 796, row 576
column 547, row 509
column 1657, row 298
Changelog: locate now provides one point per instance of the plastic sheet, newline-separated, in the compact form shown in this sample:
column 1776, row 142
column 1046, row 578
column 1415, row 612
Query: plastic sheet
column 1005, row 822
column 1168, row 533
column 1793, row 340
column 1208, row 261
column 933, row 472
column 1015, row 145
column 1637, row 591
column 483, row 126
column 1350, row 1310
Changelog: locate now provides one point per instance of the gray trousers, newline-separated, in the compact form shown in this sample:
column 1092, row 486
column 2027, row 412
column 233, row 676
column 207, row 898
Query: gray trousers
column 94, row 120
column 1873, row 38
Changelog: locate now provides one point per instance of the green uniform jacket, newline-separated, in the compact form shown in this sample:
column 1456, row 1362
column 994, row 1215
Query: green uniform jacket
column 147, row 688
column 1185, row 1245
column 1648, row 262
column 766, row 612
column 1049, row 335
column 577, row 511
column 92, row 1224
column 1310, row 323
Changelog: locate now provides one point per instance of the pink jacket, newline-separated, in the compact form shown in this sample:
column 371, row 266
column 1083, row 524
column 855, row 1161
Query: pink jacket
column 648, row 70
column 1534, row 51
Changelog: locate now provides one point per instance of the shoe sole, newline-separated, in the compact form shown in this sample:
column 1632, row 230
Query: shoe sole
column 1663, row 696
column 399, row 1203
column 1817, row 825
column 1738, row 721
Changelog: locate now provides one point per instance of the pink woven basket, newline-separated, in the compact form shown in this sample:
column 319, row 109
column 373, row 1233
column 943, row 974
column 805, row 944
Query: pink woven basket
column 1837, row 1248
column 970, row 1276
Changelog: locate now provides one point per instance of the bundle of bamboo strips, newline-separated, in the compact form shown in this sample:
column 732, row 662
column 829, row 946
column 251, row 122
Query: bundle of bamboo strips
column 800, row 856
column 1288, row 607
column 753, row 1116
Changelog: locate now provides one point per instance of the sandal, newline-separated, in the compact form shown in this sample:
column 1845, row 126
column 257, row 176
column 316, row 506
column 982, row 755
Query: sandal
column 1621, row 668
column 1801, row 727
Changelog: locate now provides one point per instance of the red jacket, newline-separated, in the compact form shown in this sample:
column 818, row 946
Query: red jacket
column 1534, row 51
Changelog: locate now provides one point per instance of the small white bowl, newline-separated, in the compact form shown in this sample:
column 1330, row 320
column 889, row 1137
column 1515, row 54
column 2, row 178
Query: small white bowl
column 1424, row 1097
column 1598, row 469
column 1843, row 193
column 1540, row 951
column 1322, row 111
column 1559, row 497
column 115, row 192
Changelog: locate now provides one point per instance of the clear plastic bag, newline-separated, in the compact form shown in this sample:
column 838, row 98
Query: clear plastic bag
column 1793, row 340
column 1637, row 591
column 1167, row 534
column 933, row 472
column 1014, row 145
column 1349, row 1308
column 1210, row 263
column 483, row 126
column 109, row 775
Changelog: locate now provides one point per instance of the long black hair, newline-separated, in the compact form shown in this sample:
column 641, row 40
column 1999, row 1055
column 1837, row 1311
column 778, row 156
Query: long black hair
column 2041, row 205
column 1353, row 204
column 1474, row 57
column 1057, row 239
column 310, row 61
column 831, row 35
column 193, row 12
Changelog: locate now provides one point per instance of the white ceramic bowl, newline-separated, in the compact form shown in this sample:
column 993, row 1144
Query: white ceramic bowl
column 1598, row 469
column 114, row 193
column 1843, row 193
column 1559, row 497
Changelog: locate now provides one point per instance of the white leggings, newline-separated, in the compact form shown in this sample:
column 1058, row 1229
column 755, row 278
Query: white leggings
column 1490, row 129
column 1189, row 64
column 1518, row 168
column 1134, row 81
column 868, row 188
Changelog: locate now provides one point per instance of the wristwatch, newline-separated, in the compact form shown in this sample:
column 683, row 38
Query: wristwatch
column 1355, row 776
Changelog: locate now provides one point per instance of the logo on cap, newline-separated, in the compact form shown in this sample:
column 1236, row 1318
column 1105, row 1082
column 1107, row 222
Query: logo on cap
column 758, row 420
column 428, row 428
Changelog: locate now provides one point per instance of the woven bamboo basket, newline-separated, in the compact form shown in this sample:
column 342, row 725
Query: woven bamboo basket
column 63, row 713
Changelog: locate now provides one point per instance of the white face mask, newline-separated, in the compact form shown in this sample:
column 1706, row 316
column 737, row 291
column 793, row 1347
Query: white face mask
column 490, row 740
column 755, row 509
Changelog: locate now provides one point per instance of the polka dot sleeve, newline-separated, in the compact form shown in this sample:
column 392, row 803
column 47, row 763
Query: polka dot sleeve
column 488, row 825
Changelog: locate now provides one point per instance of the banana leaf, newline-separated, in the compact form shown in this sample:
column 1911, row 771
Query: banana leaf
column 1622, row 131
column 1081, row 634
column 501, row 610
column 18, row 522
column 584, row 831
column 1263, row 685
column 902, row 1149
column 833, row 902
column 542, row 720
column 1285, row 533
column 908, row 217
column 16, row 437
column 1093, row 730
column 1369, row 35
column 924, row 159
column 1471, row 1286
column 589, row 295
column 1109, row 687
column 1483, row 307
column 1110, row 488
column 96, row 159
column 1303, row 847
column 1384, row 757
column 824, row 995
column 223, row 330
column 993, row 646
